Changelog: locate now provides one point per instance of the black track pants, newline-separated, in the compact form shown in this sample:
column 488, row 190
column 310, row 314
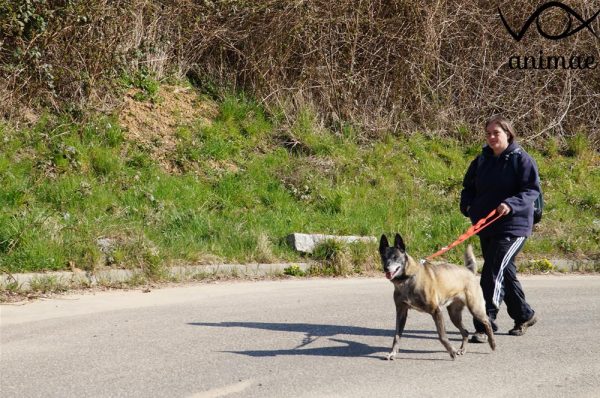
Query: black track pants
column 499, row 280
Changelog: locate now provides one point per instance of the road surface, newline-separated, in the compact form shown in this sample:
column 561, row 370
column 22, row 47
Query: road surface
column 299, row 338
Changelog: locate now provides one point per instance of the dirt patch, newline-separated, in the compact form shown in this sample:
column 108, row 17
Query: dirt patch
column 153, row 123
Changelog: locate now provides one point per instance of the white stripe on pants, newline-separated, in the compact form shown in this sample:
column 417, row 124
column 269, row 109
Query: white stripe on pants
column 500, row 276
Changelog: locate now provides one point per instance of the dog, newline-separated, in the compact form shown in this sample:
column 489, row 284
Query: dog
column 429, row 288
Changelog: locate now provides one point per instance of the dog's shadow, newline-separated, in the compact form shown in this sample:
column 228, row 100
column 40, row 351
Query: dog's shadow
column 348, row 349
column 313, row 332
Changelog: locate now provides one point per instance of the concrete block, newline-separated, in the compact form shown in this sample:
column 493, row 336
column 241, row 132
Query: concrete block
column 306, row 243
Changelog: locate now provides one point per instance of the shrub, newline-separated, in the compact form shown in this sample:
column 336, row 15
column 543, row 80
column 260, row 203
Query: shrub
column 379, row 65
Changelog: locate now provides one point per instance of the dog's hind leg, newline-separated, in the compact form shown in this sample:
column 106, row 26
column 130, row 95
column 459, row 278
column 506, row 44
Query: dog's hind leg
column 401, row 315
column 438, row 318
column 455, row 312
column 488, row 331
column 476, row 306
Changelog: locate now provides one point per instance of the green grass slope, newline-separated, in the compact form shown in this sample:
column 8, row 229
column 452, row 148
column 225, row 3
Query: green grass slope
column 236, row 186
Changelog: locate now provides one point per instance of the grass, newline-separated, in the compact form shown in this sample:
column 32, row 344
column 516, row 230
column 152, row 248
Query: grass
column 294, row 270
column 244, row 182
column 48, row 284
column 542, row 265
column 337, row 258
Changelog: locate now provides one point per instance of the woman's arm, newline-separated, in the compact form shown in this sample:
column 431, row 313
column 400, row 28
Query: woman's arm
column 529, row 185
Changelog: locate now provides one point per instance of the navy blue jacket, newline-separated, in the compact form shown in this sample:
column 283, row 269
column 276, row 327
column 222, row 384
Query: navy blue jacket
column 492, row 180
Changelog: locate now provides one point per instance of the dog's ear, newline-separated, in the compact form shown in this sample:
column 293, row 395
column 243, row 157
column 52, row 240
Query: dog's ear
column 399, row 243
column 383, row 243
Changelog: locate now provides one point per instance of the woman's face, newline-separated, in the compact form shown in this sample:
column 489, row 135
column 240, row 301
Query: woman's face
column 496, row 138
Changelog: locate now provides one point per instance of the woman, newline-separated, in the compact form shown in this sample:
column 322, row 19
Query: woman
column 503, row 177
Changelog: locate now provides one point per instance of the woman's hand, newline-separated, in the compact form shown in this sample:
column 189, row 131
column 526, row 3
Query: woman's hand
column 503, row 209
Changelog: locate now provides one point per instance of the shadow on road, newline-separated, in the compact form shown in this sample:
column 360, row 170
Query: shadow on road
column 349, row 349
column 315, row 331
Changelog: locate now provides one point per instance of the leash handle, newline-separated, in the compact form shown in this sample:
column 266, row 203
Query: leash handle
column 478, row 226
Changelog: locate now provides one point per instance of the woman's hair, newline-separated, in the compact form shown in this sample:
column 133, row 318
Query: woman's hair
column 505, row 124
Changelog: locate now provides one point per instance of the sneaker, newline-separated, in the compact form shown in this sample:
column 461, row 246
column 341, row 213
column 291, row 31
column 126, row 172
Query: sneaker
column 478, row 338
column 494, row 325
column 520, row 328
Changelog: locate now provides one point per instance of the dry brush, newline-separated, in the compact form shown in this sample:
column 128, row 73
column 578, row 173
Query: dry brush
column 384, row 65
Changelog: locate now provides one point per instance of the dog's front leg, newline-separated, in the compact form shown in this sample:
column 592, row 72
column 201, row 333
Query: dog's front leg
column 401, row 315
column 438, row 318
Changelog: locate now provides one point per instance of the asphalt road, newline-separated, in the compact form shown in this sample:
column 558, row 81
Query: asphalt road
column 300, row 338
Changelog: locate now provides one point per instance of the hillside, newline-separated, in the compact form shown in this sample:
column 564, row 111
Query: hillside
column 175, row 177
column 146, row 133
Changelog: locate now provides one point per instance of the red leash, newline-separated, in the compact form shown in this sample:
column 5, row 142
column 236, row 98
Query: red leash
column 481, row 224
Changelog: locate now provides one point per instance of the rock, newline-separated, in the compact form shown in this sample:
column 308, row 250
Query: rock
column 306, row 243
column 107, row 247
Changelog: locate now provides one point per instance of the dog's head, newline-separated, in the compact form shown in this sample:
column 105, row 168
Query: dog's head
column 394, row 258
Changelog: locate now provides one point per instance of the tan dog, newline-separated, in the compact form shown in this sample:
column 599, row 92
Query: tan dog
column 429, row 288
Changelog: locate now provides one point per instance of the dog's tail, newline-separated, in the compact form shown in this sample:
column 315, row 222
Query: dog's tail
column 470, row 261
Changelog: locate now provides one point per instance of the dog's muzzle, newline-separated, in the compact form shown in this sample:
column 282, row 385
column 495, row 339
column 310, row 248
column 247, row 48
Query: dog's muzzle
column 393, row 272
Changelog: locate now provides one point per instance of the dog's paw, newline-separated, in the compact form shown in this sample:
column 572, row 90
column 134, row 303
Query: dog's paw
column 391, row 356
column 453, row 354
